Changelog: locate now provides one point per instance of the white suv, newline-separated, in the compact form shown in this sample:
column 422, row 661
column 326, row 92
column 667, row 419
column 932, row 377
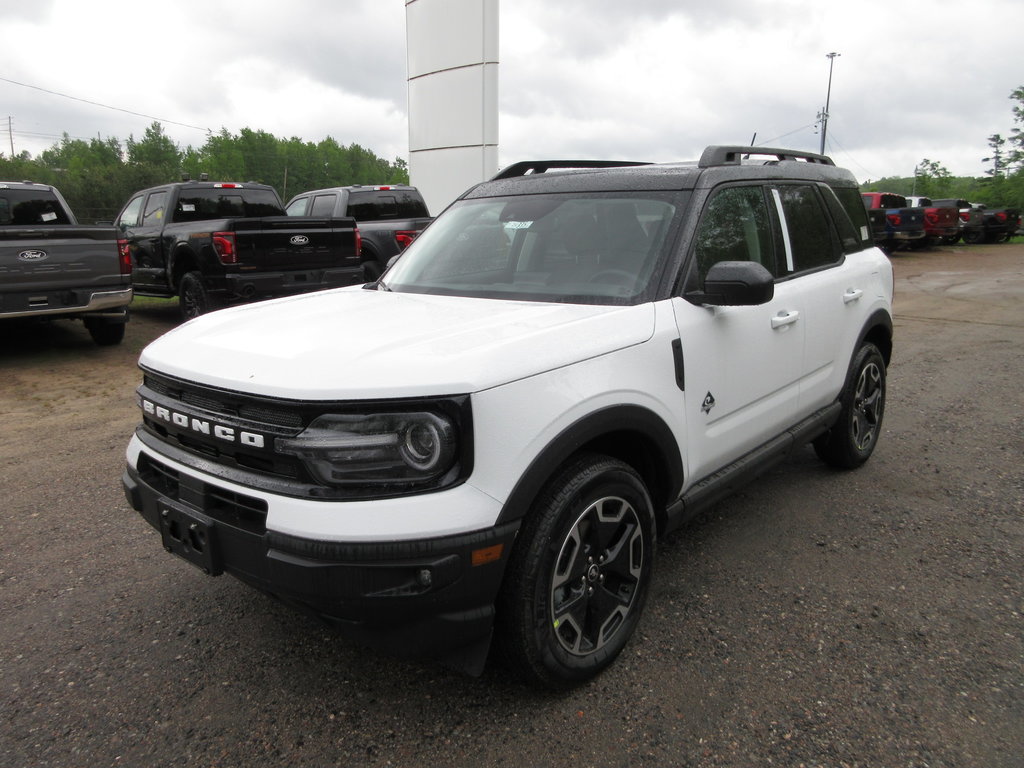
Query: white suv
column 571, row 360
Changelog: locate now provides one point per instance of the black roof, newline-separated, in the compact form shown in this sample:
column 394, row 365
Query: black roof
column 716, row 164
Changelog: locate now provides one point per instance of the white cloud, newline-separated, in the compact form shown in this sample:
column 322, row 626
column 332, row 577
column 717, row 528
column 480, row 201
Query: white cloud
column 649, row 79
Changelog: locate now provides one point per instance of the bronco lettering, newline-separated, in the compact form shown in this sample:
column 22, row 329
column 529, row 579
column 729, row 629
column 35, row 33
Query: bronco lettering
column 202, row 426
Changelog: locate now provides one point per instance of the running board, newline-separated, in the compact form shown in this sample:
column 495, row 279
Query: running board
column 718, row 485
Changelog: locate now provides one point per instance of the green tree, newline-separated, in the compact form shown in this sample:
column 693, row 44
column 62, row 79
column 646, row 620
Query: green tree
column 997, row 144
column 154, row 159
column 931, row 179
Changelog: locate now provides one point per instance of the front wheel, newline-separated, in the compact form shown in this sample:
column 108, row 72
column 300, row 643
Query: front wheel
column 578, row 578
column 852, row 439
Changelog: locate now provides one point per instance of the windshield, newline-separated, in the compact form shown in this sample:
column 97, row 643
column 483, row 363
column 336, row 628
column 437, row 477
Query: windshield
column 580, row 249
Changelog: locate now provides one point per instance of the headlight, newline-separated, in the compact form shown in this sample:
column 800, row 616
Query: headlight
column 376, row 449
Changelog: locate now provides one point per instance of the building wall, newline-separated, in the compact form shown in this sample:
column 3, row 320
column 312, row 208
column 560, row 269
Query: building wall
column 452, row 53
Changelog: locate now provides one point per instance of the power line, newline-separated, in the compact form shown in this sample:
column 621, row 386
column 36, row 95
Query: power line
column 106, row 106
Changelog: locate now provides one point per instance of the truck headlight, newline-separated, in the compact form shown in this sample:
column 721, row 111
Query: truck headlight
column 376, row 448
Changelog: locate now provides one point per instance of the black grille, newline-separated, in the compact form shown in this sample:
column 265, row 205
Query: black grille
column 267, row 411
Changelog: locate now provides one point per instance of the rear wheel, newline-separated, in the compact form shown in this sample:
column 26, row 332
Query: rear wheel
column 104, row 332
column 193, row 297
column 853, row 437
column 579, row 575
column 371, row 270
column 951, row 239
column 974, row 236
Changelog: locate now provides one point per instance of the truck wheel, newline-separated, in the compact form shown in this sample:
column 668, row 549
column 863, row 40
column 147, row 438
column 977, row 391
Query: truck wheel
column 973, row 236
column 192, row 296
column 372, row 270
column 853, row 437
column 951, row 239
column 579, row 575
column 104, row 333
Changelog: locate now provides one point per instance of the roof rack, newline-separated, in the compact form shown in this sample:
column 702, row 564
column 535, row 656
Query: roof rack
column 722, row 155
column 528, row 167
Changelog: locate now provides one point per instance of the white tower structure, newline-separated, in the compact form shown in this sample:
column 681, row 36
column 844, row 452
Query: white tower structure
column 452, row 53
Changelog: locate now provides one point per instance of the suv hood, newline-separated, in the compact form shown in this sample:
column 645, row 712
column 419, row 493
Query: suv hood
column 354, row 343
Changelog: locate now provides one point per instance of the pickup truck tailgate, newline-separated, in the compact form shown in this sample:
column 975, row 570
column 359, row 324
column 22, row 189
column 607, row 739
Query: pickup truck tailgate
column 59, row 257
column 292, row 243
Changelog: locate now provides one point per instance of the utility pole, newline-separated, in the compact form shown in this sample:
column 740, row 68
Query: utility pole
column 10, row 132
column 828, row 96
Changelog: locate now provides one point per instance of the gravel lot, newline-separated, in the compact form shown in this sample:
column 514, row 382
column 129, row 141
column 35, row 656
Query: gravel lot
column 870, row 618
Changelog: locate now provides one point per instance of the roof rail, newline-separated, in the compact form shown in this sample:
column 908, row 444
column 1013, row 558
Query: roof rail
column 722, row 155
column 527, row 167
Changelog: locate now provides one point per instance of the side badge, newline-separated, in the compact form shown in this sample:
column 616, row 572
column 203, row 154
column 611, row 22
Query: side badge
column 708, row 404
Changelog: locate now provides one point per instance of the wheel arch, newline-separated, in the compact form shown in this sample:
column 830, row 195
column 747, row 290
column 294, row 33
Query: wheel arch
column 630, row 433
column 183, row 260
column 878, row 331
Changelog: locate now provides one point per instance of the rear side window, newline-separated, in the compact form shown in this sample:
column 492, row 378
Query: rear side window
column 154, row 213
column 850, row 217
column 29, row 207
column 806, row 228
column 323, row 205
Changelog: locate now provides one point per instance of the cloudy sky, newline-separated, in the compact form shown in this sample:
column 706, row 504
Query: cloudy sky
column 644, row 79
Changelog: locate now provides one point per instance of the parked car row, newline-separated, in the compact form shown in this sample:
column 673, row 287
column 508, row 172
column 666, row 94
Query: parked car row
column 216, row 243
column 915, row 222
column 208, row 243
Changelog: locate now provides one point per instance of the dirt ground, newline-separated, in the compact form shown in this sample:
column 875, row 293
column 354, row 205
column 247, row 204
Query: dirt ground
column 818, row 618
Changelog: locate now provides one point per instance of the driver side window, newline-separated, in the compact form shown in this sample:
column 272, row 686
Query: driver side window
column 735, row 227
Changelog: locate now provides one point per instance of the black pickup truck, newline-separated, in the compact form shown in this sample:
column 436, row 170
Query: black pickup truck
column 389, row 217
column 51, row 267
column 213, row 243
column 1000, row 223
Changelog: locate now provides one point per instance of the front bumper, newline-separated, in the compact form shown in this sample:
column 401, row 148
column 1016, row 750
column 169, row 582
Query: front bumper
column 429, row 597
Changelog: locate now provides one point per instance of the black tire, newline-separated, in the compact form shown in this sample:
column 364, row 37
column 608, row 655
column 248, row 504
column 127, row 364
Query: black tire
column 852, row 439
column 974, row 236
column 193, row 297
column 951, row 239
column 105, row 333
column 579, row 575
column 372, row 270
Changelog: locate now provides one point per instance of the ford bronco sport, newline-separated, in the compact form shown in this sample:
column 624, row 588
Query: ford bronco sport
column 573, row 359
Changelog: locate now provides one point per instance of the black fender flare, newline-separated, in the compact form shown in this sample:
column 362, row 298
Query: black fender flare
column 632, row 433
column 877, row 330
column 182, row 254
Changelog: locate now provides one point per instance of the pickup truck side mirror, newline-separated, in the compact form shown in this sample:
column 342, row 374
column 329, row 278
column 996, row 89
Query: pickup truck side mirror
column 735, row 283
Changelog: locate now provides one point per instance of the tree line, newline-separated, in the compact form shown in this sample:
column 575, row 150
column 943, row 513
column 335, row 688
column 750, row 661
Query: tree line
column 1002, row 185
column 98, row 176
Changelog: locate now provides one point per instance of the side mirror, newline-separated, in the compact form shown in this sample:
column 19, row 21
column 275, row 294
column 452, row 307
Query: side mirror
column 736, row 283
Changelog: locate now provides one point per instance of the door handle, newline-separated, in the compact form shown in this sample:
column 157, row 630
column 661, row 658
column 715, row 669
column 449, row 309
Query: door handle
column 852, row 294
column 785, row 318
